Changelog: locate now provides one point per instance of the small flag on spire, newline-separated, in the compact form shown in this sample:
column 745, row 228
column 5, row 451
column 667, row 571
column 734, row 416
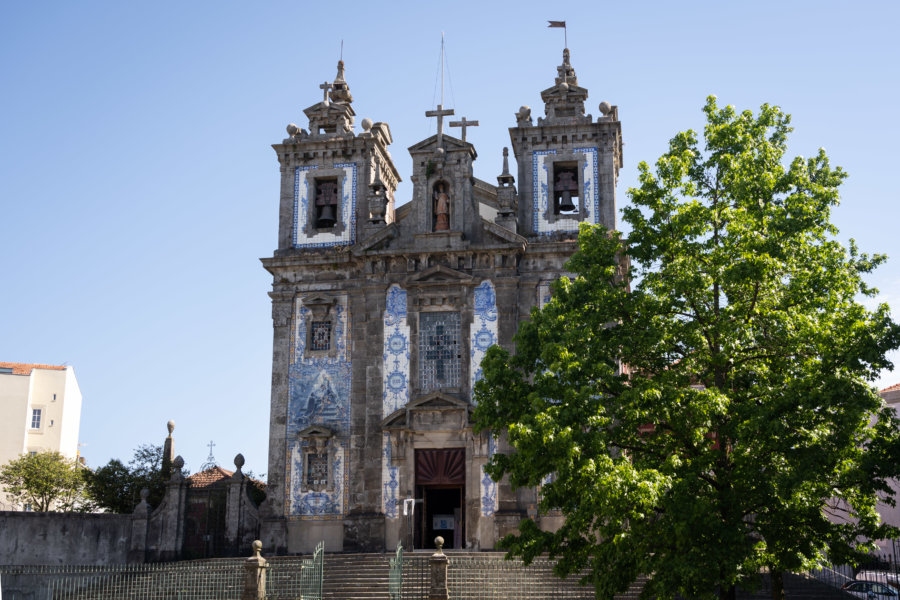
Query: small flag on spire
column 557, row 24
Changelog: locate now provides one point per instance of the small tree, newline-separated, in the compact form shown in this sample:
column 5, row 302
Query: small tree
column 716, row 417
column 117, row 488
column 44, row 481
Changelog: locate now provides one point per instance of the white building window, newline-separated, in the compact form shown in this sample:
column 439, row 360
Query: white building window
column 35, row 418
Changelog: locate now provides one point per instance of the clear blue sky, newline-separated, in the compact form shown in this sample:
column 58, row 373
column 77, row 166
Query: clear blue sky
column 138, row 188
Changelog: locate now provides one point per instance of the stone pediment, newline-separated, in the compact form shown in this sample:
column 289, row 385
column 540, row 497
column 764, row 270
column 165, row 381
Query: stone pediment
column 324, row 110
column 315, row 431
column 438, row 274
column 503, row 234
column 450, row 144
column 376, row 241
column 435, row 402
column 574, row 92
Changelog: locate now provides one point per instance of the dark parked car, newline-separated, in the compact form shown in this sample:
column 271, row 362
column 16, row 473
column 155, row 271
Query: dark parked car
column 869, row 589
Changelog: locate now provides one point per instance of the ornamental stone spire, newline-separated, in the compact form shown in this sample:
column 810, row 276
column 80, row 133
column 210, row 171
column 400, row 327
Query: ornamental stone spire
column 340, row 91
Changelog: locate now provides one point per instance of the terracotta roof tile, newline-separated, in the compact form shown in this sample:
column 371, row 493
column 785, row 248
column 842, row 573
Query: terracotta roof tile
column 26, row 368
column 209, row 476
column 892, row 388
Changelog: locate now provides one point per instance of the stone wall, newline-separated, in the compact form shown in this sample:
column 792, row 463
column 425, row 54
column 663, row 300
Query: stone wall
column 32, row 538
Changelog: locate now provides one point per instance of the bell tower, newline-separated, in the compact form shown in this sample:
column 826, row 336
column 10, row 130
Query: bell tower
column 568, row 163
column 330, row 176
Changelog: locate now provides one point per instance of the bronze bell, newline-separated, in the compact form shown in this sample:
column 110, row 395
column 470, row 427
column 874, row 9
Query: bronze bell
column 565, row 202
column 566, row 183
column 326, row 217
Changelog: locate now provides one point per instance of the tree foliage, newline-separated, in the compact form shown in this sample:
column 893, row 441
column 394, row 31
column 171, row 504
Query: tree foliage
column 44, row 481
column 116, row 487
column 706, row 408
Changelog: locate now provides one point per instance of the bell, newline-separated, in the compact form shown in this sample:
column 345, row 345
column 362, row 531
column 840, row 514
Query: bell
column 326, row 217
column 565, row 202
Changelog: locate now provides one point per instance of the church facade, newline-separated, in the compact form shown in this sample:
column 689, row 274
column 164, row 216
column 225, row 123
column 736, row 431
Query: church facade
column 382, row 315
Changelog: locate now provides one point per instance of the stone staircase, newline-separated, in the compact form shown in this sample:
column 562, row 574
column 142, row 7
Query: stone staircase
column 365, row 577
column 355, row 577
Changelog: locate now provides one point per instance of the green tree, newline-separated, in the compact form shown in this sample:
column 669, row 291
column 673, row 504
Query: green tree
column 117, row 488
column 705, row 407
column 44, row 481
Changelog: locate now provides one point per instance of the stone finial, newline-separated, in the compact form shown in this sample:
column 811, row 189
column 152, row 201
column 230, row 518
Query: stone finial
column 142, row 510
column 255, row 574
column 505, row 178
column 523, row 117
column 177, row 465
column 366, row 124
column 170, row 426
column 564, row 72
column 605, row 107
column 239, row 461
column 340, row 91
column 439, row 544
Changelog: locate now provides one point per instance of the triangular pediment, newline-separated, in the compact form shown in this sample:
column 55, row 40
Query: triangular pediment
column 438, row 274
column 376, row 241
column 450, row 144
column 574, row 92
column 438, row 401
column 315, row 431
column 430, row 402
column 324, row 110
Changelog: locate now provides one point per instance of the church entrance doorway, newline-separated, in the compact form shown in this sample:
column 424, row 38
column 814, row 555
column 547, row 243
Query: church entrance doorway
column 440, row 495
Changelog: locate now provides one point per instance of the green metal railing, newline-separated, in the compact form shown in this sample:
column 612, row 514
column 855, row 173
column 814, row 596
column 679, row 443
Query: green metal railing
column 492, row 578
column 311, row 574
column 208, row 579
column 216, row 579
column 395, row 579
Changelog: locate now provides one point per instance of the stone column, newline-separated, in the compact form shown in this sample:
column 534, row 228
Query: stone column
column 255, row 575
column 439, row 564
column 236, row 490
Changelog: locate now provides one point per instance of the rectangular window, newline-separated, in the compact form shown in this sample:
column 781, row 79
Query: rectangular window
column 440, row 350
column 35, row 418
column 320, row 336
column 316, row 469
column 326, row 203
column 565, row 188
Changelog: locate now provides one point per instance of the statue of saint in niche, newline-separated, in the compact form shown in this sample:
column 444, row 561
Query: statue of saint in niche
column 441, row 209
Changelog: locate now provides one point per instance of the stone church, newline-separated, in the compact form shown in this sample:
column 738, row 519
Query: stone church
column 382, row 314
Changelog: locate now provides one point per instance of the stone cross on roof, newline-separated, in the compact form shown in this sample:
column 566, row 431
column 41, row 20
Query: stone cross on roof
column 325, row 87
column 440, row 113
column 463, row 124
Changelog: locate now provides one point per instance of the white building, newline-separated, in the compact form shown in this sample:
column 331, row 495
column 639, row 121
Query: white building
column 40, row 409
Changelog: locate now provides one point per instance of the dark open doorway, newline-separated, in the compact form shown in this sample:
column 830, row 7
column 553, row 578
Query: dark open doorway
column 441, row 515
column 440, row 486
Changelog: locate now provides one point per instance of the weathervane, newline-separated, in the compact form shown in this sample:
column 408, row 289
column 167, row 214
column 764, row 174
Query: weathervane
column 565, row 31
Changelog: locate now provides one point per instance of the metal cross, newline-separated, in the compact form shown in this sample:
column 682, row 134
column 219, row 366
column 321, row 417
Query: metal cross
column 211, row 444
column 464, row 124
column 325, row 87
column 440, row 113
